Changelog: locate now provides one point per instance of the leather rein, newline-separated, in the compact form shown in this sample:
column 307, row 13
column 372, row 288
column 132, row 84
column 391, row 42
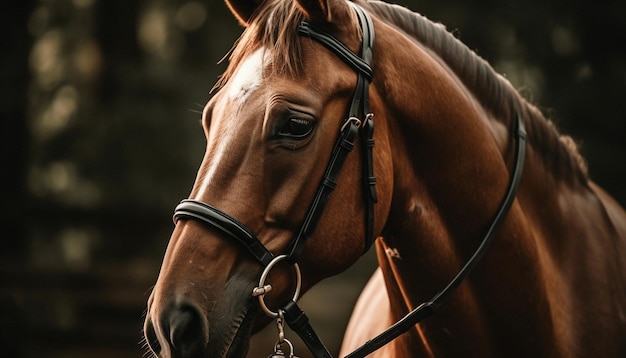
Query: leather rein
column 359, row 122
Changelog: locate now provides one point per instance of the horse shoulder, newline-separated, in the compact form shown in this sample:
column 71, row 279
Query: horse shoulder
column 370, row 317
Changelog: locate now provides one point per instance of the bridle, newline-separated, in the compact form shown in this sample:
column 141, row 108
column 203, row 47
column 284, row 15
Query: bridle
column 359, row 122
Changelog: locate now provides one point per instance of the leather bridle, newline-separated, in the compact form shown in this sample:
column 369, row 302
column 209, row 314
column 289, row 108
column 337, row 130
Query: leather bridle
column 358, row 122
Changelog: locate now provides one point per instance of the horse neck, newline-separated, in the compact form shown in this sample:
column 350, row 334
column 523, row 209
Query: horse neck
column 451, row 171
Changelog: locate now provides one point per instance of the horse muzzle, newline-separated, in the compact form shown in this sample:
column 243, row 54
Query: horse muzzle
column 180, row 330
column 200, row 326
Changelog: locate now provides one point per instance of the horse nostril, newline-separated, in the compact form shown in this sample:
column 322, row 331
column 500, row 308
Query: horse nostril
column 188, row 333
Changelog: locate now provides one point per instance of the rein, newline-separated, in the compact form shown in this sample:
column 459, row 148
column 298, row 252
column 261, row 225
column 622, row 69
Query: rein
column 359, row 122
column 427, row 309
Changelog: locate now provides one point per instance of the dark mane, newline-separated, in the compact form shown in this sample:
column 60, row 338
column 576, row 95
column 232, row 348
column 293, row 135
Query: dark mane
column 559, row 153
column 274, row 27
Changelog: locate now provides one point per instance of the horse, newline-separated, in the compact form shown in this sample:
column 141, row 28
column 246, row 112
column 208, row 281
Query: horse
column 481, row 213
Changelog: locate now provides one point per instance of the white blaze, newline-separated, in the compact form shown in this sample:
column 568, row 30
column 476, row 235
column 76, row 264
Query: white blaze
column 247, row 77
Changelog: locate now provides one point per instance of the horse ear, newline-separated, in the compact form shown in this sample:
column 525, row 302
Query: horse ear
column 322, row 10
column 243, row 9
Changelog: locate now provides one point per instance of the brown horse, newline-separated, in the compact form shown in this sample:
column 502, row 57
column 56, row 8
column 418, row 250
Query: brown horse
column 553, row 282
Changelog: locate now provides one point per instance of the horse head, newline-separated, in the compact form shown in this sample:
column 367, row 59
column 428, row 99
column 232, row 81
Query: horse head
column 271, row 130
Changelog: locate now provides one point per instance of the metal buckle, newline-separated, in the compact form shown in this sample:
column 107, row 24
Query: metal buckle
column 354, row 120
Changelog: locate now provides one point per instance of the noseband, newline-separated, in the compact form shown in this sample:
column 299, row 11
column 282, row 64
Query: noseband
column 358, row 122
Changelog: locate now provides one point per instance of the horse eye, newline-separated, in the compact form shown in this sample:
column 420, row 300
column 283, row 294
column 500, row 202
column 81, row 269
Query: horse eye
column 296, row 128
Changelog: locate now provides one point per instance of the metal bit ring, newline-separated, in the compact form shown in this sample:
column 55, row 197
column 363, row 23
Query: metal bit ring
column 262, row 288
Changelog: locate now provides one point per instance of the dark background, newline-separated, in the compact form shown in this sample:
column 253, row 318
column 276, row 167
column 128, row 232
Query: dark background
column 100, row 103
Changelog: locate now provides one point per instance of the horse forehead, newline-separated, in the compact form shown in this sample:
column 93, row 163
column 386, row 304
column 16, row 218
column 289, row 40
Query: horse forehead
column 248, row 77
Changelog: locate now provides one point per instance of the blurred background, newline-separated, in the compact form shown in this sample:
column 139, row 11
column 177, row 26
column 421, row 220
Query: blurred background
column 99, row 105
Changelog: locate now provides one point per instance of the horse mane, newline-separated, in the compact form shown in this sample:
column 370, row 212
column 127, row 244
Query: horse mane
column 274, row 27
column 559, row 153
